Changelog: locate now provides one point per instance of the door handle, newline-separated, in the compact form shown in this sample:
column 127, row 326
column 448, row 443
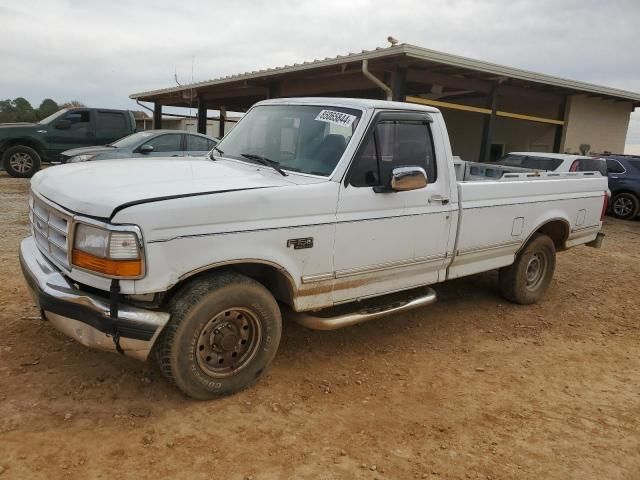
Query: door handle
column 438, row 198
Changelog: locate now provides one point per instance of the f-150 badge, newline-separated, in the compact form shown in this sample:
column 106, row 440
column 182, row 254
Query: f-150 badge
column 299, row 243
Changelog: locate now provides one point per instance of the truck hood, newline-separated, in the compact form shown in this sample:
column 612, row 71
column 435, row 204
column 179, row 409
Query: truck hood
column 17, row 124
column 97, row 189
column 8, row 130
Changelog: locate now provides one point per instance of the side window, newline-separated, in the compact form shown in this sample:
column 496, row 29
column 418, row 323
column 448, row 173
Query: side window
column 110, row 121
column 80, row 120
column 394, row 144
column 170, row 142
column 592, row 165
column 365, row 171
column 614, row 166
column 198, row 144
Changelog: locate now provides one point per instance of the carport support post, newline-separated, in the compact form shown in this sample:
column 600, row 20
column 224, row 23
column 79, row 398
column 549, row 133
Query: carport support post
column 221, row 122
column 488, row 126
column 399, row 85
column 202, row 116
column 157, row 115
column 557, row 140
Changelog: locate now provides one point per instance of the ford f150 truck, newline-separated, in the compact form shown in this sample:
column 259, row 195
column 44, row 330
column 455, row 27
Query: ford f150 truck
column 334, row 210
column 24, row 146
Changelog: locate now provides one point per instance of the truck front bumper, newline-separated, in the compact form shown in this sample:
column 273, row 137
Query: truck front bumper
column 85, row 316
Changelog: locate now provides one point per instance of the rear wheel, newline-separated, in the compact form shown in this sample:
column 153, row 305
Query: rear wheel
column 625, row 206
column 21, row 162
column 223, row 333
column 527, row 279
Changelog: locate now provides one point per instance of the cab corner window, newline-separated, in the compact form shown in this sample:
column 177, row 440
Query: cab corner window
column 393, row 144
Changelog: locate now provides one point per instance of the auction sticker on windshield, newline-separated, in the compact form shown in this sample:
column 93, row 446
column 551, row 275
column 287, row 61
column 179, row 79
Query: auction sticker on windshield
column 337, row 118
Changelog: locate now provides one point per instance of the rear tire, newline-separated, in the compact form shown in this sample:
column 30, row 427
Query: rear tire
column 625, row 206
column 223, row 333
column 527, row 279
column 21, row 162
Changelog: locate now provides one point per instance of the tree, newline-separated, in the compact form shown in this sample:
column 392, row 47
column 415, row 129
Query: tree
column 7, row 111
column 24, row 110
column 46, row 108
column 72, row 104
column 17, row 110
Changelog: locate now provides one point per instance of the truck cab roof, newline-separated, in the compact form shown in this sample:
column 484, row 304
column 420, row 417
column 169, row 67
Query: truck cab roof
column 359, row 103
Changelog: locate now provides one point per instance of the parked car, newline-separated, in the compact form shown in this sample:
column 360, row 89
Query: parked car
column 25, row 146
column 624, row 182
column 150, row 143
column 556, row 162
column 344, row 210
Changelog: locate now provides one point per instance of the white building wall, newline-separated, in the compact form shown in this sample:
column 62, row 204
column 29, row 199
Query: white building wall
column 597, row 122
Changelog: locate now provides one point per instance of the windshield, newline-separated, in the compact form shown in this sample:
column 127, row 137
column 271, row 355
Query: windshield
column 297, row 138
column 133, row 140
column 53, row 116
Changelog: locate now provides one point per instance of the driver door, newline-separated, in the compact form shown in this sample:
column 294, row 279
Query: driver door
column 74, row 129
column 390, row 240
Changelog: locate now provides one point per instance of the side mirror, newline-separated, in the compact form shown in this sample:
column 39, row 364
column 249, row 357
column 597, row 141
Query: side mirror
column 408, row 178
column 63, row 124
column 146, row 149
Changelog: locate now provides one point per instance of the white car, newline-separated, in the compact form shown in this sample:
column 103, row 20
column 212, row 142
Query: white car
column 336, row 210
column 556, row 162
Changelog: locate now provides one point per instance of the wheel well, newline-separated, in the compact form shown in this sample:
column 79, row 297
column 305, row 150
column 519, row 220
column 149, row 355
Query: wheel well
column 275, row 279
column 557, row 230
column 26, row 143
column 630, row 192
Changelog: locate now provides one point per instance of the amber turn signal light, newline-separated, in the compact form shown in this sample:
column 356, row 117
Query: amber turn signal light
column 106, row 266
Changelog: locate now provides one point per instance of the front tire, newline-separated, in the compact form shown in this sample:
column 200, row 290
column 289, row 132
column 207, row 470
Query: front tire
column 625, row 206
column 527, row 279
column 223, row 333
column 21, row 162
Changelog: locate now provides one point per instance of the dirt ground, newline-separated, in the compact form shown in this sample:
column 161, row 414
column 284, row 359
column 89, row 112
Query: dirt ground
column 472, row 387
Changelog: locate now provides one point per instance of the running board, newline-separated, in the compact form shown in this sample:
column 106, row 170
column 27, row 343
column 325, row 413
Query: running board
column 368, row 310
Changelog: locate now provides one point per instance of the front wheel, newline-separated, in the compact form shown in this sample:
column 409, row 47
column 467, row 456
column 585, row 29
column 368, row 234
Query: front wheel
column 527, row 279
column 625, row 206
column 21, row 162
column 223, row 333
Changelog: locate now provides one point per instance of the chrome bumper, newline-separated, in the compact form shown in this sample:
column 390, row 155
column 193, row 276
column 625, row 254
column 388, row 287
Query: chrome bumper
column 84, row 316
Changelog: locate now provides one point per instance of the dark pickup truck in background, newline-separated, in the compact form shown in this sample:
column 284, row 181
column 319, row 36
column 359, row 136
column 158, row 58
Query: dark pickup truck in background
column 25, row 146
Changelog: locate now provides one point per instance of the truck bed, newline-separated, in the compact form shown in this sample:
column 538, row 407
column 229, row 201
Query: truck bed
column 496, row 216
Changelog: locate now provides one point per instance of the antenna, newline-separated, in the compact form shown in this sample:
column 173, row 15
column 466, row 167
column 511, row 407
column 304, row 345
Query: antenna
column 193, row 60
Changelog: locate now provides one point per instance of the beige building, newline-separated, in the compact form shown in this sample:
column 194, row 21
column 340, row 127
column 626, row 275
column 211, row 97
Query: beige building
column 489, row 109
column 188, row 124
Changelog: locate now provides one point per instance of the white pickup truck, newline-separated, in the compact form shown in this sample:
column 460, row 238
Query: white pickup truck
column 337, row 210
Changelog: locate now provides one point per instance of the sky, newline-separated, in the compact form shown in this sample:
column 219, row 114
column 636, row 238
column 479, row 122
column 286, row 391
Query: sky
column 99, row 52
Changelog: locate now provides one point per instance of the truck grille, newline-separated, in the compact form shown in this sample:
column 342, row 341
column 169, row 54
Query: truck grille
column 50, row 229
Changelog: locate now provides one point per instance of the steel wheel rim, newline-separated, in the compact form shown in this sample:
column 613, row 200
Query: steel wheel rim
column 536, row 270
column 623, row 206
column 21, row 162
column 228, row 342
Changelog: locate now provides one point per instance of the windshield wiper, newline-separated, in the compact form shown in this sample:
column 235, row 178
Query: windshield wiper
column 265, row 161
column 215, row 149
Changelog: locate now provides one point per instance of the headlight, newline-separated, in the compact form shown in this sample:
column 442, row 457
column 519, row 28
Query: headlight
column 113, row 253
column 81, row 158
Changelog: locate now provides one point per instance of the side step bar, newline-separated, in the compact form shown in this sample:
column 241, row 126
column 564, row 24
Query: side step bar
column 396, row 303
